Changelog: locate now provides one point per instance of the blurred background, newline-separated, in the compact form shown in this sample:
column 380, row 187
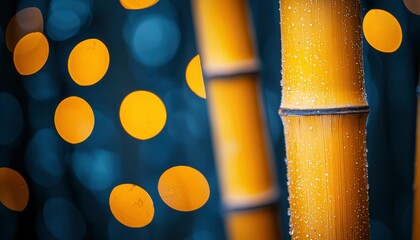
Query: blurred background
column 150, row 49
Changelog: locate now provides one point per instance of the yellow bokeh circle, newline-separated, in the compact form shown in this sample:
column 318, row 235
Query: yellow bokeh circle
column 88, row 62
column 183, row 188
column 131, row 205
column 74, row 119
column 142, row 114
column 194, row 77
column 31, row 53
column 14, row 192
column 137, row 4
column 382, row 30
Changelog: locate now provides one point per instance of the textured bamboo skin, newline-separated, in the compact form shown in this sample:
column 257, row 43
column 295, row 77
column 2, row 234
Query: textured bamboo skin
column 416, row 212
column 326, row 149
column 327, row 176
column 245, row 171
column 321, row 54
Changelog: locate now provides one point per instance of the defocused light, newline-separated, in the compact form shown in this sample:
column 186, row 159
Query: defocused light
column 11, row 118
column 25, row 21
column 413, row 6
column 14, row 192
column 63, row 219
column 382, row 30
column 41, row 86
column 183, row 188
column 96, row 170
column 179, row 127
column 88, row 62
column 137, row 4
column 62, row 25
column 155, row 40
column 74, row 119
column 69, row 10
column 131, row 205
column 142, row 114
column 31, row 53
column 44, row 158
column 194, row 77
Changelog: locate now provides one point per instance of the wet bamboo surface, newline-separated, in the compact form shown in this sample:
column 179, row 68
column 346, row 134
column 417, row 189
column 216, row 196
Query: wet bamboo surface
column 247, row 181
column 324, row 113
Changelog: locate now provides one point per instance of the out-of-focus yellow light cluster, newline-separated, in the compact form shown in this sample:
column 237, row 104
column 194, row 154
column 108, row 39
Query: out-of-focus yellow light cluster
column 131, row 205
column 74, row 119
column 382, row 30
column 183, row 188
column 31, row 53
column 88, row 62
column 142, row 114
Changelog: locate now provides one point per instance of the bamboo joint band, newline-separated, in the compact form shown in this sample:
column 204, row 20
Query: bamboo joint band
column 324, row 111
column 232, row 74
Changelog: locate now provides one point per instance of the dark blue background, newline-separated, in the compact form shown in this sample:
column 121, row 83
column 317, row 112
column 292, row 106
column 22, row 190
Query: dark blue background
column 70, row 184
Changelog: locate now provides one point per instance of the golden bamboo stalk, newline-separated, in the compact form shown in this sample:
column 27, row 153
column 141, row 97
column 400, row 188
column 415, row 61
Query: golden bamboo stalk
column 416, row 203
column 248, row 185
column 324, row 113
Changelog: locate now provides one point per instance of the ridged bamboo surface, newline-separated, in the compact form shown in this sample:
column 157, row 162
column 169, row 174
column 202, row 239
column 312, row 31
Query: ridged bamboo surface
column 326, row 149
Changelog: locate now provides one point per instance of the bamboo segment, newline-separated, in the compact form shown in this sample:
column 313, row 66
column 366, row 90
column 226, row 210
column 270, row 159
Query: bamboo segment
column 324, row 112
column 240, row 142
column 248, row 185
column 327, row 176
column 416, row 213
column 322, row 54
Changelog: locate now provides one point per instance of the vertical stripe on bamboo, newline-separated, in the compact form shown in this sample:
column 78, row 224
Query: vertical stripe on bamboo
column 247, row 181
column 324, row 113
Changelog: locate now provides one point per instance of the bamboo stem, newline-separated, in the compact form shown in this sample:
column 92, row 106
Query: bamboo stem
column 324, row 113
column 248, row 184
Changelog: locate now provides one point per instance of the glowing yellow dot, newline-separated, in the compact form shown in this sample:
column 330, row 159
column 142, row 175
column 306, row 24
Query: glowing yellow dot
column 31, row 53
column 88, row 62
column 14, row 192
column 413, row 6
column 382, row 30
column 74, row 119
column 183, row 188
column 142, row 114
column 194, row 77
column 25, row 21
column 131, row 205
column 137, row 4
